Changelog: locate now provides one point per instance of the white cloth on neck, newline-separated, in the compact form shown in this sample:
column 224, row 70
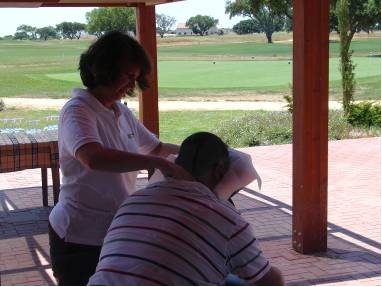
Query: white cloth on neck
column 240, row 173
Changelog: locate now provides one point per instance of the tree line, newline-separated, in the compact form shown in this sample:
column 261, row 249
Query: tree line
column 264, row 16
column 99, row 21
column 346, row 17
column 65, row 30
column 269, row 16
column 102, row 20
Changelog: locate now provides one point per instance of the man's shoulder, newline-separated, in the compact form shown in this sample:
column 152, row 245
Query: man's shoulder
column 191, row 194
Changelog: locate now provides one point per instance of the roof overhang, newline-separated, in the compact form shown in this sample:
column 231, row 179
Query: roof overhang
column 81, row 3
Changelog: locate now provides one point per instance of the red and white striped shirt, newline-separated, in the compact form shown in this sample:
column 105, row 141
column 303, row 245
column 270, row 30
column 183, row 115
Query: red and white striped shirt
column 178, row 233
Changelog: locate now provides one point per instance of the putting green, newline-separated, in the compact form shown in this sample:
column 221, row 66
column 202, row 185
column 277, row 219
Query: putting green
column 231, row 75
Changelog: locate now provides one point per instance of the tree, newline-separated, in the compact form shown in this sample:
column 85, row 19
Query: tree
column 346, row 64
column 21, row 36
column 164, row 23
column 7, row 37
column 201, row 24
column 79, row 28
column 70, row 30
column 364, row 15
column 26, row 31
column 102, row 20
column 333, row 20
column 282, row 8
column 288, row 25
column 262, row 15
column 245, row 27
column 2, row 105
column 352, row 16
column 47, row 32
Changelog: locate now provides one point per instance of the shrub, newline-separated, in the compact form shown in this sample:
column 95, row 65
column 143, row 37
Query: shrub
column 365, row 114
column 259, row 128
column 338, row 128
column 8, row 37
column 2, row 105
column 268, row 128
column 289, row 104
column 289, row 99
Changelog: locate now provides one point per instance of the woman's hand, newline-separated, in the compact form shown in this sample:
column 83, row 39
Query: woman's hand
column 170, row 169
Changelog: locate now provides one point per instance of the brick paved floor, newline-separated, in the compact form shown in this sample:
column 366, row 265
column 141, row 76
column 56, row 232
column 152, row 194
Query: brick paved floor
column 354, row 242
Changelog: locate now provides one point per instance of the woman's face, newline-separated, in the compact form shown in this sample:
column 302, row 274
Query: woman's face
column 126, row 82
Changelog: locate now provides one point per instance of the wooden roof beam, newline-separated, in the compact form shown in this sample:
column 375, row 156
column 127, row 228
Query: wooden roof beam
column 81, row 3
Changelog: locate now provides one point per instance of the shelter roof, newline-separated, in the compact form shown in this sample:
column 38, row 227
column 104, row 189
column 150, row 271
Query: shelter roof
column 181, row 26
column 79, row 3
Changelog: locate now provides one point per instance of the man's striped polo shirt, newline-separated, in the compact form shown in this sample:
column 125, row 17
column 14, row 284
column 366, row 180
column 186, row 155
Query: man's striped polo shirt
column 178, row 233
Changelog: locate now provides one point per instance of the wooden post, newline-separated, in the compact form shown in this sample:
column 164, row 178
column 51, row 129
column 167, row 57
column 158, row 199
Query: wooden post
column 310, row 124
column 148, row 100
column 44, row 183
column 56, row 183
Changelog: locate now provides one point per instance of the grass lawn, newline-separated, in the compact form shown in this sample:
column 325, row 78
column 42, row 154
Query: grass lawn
column 174, row 126
column 244, row 68
column 250, row 50
column 238, row 128
column 198, row 77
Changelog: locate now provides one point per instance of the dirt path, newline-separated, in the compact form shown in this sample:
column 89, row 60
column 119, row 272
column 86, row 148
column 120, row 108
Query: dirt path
column 43, row 103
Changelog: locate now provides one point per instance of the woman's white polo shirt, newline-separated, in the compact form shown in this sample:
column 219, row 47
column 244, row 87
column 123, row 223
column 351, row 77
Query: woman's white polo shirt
column 88, row 198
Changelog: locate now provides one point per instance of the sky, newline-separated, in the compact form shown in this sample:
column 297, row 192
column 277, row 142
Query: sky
column 11, row 18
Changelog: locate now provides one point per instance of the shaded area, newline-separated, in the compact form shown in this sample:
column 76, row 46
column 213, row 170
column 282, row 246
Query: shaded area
column 353, row 255
column 357, row 257
column 24, row 244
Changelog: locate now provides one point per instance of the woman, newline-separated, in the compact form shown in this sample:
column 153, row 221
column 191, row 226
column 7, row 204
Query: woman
column 102, row 146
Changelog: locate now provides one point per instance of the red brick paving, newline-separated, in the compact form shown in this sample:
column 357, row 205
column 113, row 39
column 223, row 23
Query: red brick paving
column 354, row 242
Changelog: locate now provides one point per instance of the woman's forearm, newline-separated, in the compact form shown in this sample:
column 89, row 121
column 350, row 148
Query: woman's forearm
column 97, row 157
column 119, row 161
column 165, row 149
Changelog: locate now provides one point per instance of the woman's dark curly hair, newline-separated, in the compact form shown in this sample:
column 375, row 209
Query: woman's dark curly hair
column 104, row 60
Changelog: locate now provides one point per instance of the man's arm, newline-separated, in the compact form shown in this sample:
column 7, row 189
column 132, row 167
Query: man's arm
column 247, row 260
column 272, row 278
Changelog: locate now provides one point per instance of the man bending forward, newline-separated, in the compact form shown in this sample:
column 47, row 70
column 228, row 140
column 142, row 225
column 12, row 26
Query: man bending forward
column 179, row 233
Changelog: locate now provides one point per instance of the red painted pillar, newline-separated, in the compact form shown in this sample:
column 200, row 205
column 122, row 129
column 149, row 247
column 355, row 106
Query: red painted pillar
column 148, row 99
column 310, row 124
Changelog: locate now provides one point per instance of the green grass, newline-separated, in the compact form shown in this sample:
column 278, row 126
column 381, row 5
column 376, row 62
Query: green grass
column 237, row 128
column 271, row 76
column 364, row 47
column 227, row 49
column 269, row 128
column 193, row 77
column 174, row 126
column 25, row 116
column 49, row 69
column 24, row 53
column 260, row 50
